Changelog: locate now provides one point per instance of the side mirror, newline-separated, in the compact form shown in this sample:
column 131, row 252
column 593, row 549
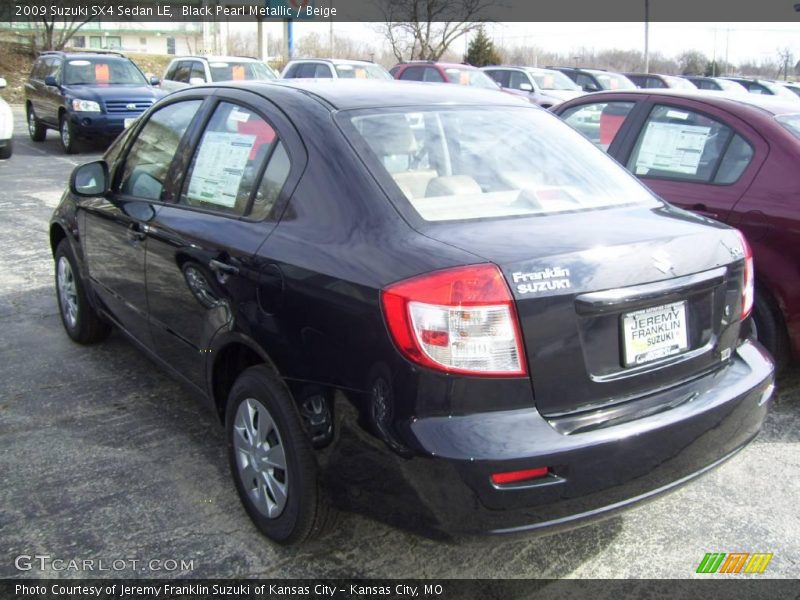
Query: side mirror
column 591, row 87
column 526, row 87
column 154, row 80
column 3, row 82
column 90, row 179
column 50, row 80
column 196, row 81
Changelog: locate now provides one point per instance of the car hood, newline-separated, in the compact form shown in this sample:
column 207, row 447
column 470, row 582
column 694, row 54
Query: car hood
column 113, row 92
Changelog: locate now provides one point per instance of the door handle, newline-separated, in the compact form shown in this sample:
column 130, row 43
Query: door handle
column 702, row 208
column 137, row 232
column 222, row 269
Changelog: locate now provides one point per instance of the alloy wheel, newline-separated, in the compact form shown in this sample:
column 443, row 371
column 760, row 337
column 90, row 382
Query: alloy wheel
column 67, row 292
column 260, row 458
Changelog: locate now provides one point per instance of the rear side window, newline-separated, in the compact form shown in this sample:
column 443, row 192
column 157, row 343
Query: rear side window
column 472, row 163
column 413, row 74
column 684, row 145
column 600, row 121
column 229, row 161
column 183, row 71
column 147, row 164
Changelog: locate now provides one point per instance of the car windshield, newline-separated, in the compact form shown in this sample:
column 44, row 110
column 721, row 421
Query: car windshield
column 613, row 81
column 358, row 71
column 790, row 122
column 554, row 80
column 472, row 162
column 239, row 71
column 100, row 71
column 471, row 77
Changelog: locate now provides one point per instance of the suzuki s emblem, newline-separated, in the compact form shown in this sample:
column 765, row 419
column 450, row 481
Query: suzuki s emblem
column 662, row 262
column 130, row 106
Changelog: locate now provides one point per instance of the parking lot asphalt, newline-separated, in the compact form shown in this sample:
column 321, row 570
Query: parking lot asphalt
column 102, row 456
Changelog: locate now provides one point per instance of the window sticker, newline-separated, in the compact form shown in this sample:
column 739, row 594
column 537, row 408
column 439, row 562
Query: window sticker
column 676, row 114
column 672, row 147
column 238, row 72
column 80, row 63
column 101, row 74
column 219, row 168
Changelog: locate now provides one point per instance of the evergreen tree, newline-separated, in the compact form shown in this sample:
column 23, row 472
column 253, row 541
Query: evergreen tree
column 481, row 51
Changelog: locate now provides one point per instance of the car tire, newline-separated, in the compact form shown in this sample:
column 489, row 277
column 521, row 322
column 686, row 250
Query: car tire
column 7, row 150
column 770, row 330
column 81, row 322
column 263, row 425
column 67, row 135
column 36, row 130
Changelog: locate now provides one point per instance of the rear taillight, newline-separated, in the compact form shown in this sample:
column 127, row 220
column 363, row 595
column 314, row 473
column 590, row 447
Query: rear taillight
column 748, row 287
column 459, row 320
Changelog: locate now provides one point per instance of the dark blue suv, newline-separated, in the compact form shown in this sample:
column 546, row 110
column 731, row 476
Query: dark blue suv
column 85, row 95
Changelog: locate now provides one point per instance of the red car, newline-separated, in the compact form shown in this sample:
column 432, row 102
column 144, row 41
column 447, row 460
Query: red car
column 731, row 158
column 440, row 72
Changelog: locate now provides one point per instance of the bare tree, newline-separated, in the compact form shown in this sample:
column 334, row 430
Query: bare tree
column 53, row 32
column 786, row 58
column 425, row 29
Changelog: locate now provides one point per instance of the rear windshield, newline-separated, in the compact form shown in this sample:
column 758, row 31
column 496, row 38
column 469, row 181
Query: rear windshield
column 472, row 163
column 98, row 71
column 790, row 122
column 239, row 71
column 357, row 71
column 471, row 77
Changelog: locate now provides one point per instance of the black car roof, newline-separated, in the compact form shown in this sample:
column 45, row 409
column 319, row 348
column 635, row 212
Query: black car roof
column 344, row 94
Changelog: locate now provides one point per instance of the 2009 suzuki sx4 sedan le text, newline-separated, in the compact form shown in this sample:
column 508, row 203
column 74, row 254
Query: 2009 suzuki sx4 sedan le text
column 435, row 305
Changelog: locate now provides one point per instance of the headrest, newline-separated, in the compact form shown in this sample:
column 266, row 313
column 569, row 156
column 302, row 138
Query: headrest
column 389, row 135
column 452, row 185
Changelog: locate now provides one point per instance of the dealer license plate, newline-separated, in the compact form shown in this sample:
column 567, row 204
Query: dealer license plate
column 128, row 122
column 654, row 333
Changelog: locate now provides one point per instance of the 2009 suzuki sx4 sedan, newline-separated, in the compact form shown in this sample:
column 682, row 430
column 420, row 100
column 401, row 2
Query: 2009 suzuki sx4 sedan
column 435, row 305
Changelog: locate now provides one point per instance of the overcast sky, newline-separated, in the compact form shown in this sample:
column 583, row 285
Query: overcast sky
column 741, row 41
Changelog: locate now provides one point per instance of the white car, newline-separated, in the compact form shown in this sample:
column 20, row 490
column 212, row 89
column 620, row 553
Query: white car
column 186, row 71
column 333, row 68
column 6, row 126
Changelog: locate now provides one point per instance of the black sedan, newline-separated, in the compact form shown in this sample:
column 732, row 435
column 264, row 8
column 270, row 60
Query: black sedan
column 441, row 307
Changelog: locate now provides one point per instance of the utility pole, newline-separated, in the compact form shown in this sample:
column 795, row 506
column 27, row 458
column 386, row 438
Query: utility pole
column 646, row 36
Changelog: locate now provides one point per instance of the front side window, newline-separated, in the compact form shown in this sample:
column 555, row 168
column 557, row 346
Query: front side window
column 146, row 166
column 517, row 79
column 554, row 80
column 198, row 72
column 684, row 145
column 600, row 122
column 94, row 71
column 472, row 163
column 229, row 160
column 412, row 74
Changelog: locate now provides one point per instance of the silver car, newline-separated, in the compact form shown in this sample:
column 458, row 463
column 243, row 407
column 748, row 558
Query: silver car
column 544, row 87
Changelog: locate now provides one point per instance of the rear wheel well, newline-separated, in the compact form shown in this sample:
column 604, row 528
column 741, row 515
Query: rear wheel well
column 57, row 234
column 229, row 363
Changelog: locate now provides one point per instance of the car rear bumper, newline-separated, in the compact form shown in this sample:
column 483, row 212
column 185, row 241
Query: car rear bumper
column 594, row 473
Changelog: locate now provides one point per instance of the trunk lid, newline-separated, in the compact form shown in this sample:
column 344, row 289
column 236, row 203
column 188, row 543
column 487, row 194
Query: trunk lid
column 575, row 277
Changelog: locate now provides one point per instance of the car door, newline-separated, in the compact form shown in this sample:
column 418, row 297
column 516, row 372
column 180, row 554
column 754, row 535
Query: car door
column 202, row 276
column 694, row 155
column 114, row 227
